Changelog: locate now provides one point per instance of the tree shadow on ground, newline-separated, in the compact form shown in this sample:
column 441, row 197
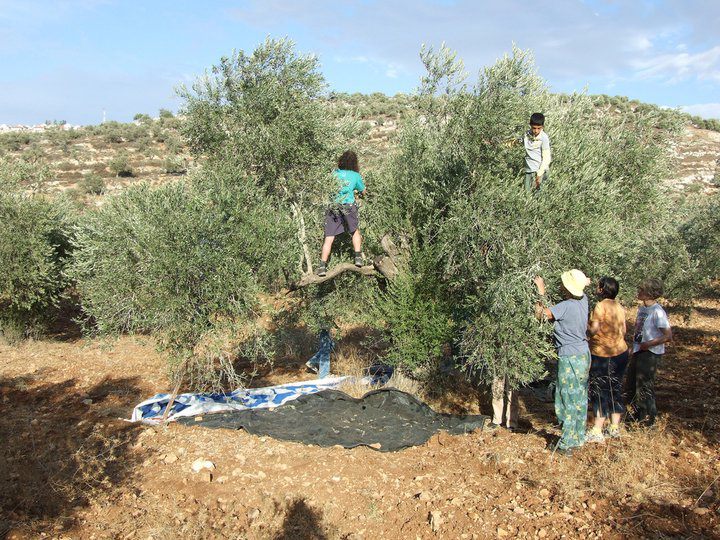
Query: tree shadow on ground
column 661, row 520
column 57, row 452
column 301, row 522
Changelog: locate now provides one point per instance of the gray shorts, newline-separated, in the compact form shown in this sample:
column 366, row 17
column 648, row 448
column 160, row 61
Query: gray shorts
column 342, row 218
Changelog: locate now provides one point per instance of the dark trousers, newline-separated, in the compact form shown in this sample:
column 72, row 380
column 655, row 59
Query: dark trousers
column 641, row 384
column 529, row 181
column 605, row 385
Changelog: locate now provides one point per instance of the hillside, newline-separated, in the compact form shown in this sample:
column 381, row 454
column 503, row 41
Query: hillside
column 92, row 161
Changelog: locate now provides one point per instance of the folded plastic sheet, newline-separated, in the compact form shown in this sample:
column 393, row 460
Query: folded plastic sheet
column 151, row 410
column 386, row 420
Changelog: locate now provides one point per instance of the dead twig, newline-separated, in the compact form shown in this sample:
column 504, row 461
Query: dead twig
column 706, row 489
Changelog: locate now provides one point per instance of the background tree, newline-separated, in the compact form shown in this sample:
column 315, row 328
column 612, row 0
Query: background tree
column 34, row 252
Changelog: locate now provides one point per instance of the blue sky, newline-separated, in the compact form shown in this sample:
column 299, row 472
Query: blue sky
column 72, row 59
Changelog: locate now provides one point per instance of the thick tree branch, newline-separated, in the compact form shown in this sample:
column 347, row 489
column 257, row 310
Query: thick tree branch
column 314, row 279
column 302, row 235
column 388, row 266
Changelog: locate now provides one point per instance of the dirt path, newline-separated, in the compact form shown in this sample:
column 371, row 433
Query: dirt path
column 70, row 469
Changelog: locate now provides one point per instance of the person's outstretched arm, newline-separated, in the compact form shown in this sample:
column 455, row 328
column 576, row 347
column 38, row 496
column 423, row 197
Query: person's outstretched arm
column 540, row 309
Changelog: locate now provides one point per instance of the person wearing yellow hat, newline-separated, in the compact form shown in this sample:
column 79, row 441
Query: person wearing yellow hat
column 570, row 318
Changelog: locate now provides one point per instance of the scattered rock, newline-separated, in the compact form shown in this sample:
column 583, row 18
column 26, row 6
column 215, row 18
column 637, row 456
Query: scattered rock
column 200, row 464
column 376, row 446
column 435, row 520
column 205, row 475
column 253, row 514
column 170, row 458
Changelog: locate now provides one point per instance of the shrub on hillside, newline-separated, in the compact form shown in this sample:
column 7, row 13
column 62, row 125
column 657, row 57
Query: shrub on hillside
column 33, row 255
column 120, row 165
column 174, row 164
column 92, row 184
column 23, row 174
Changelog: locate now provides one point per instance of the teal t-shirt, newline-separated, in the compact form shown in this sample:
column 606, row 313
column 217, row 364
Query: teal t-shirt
column 348, row 182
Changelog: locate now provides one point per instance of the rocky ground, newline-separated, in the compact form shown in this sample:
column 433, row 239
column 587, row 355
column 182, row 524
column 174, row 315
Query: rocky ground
column 71, row 468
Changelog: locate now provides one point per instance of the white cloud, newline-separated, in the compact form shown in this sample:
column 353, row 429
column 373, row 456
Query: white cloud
column 705, row 110
column 392, row 70
column 704, row 65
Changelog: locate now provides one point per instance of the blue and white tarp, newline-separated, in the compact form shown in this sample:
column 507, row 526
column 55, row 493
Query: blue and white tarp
column 151, row 410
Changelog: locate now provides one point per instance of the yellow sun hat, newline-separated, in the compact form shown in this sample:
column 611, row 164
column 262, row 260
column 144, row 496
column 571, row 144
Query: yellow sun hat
column 575, row 281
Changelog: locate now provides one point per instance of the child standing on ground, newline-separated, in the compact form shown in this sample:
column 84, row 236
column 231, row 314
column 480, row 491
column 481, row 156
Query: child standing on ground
column 343, row 215
column 537, row 153
column 652, row 331
column 609, row 359
column 571, row 318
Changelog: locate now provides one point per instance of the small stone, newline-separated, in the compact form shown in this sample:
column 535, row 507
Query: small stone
column 335, row 479
column 542, row 533
column 701, row 511
column 502, row 532
column 376, row 446
column 253, row 514
column 435, row 520
column 200, row 464
column 198, row 418
column 170, row 458
column 423, row 495
column 87, row 401
column 205, row 475
column 222, row 479
column 544, row 493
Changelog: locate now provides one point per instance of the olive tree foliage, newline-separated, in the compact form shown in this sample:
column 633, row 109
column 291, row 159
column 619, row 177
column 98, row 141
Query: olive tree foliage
column 184, row 262
column 34, row 250
column 700, row 232
column 454, row 192
column 262, row 113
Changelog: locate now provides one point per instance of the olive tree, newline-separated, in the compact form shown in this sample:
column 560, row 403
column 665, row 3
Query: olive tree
column 476, row 238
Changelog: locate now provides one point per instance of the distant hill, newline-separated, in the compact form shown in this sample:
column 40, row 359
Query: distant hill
column 91, row 161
